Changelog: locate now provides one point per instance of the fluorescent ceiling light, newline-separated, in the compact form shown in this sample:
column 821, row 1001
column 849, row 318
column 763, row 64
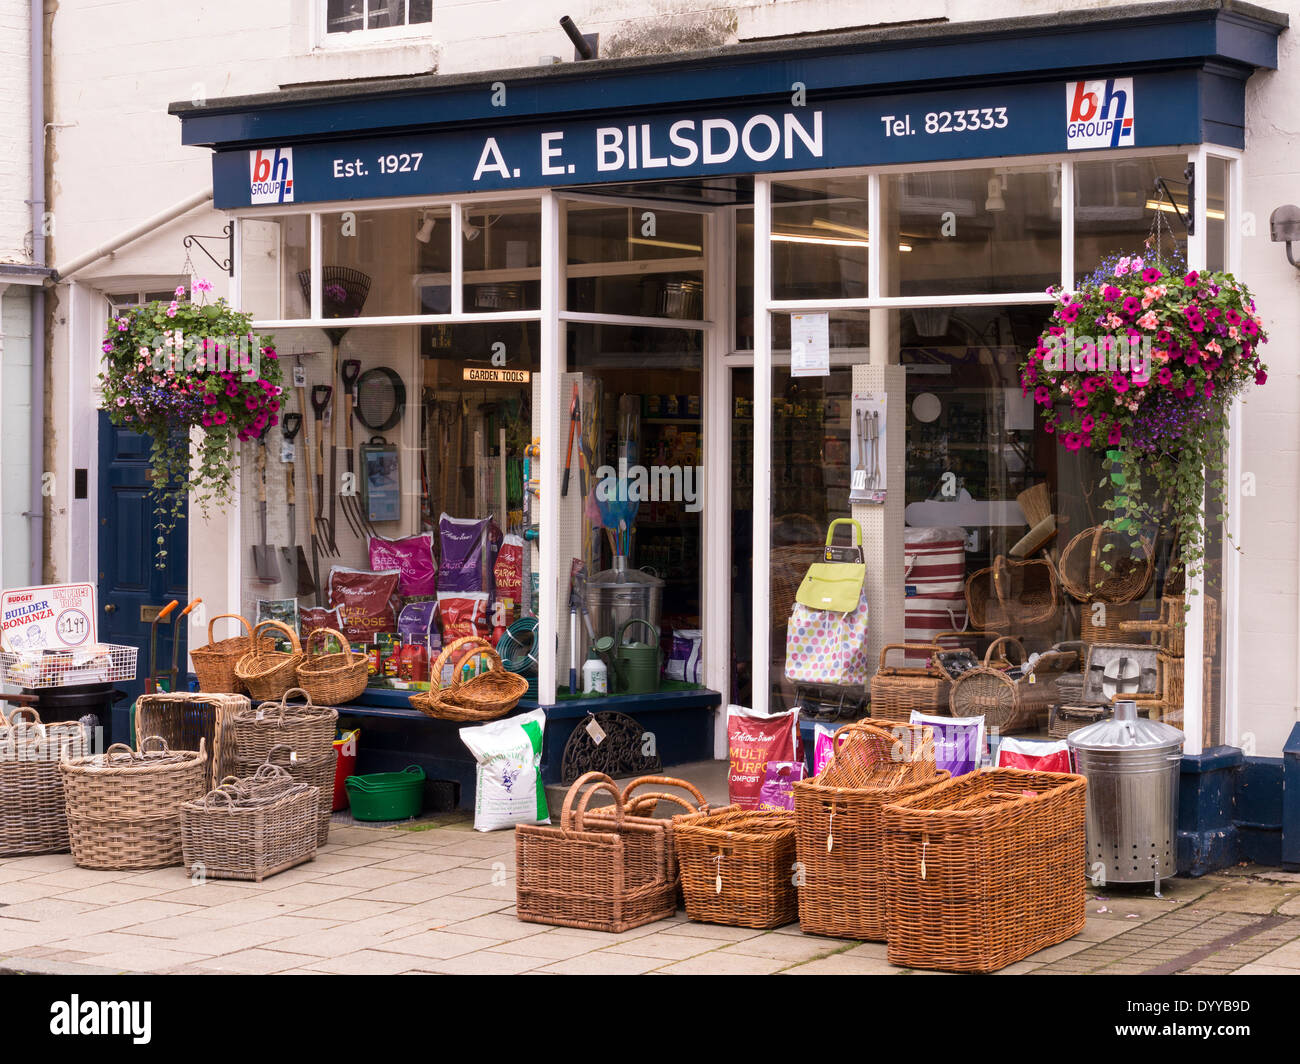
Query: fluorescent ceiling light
column 663, row 244
column 1169, row 208
column 821, row 223
column 834, row 241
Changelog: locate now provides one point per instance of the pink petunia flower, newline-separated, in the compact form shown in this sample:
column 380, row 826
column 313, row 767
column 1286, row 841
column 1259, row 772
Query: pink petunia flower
column 1119, row 382
column 1150, row 275
column 1086, row 424
column 1042, row 395
column 1148, row 320
column 1260, row 376
column 1191, row 280
column 1115, row 436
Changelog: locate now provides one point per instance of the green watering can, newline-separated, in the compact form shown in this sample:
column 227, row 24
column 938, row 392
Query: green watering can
column 637, row 665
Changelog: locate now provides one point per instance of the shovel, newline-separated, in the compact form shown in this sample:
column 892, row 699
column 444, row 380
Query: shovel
column 264, row 562
column 294, row 558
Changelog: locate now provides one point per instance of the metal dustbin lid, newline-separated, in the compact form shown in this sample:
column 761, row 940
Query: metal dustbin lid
column 623, row 578
column 1126, row 731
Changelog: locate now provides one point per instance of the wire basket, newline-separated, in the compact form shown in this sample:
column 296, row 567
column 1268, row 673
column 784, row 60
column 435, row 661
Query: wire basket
column 103, row 663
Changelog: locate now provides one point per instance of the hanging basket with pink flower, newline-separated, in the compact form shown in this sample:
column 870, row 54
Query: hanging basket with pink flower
column 173, row 367
column 1143, row 361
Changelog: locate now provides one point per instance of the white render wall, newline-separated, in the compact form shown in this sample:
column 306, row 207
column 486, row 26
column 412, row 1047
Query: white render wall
column 117, row 159
column 15, row 132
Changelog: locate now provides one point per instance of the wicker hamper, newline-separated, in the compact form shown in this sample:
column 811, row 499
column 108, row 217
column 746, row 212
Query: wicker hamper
column 316, row 772
column 183, row 719
column 1002, row 701
column 124, row 806
column 267, row 673
column 251, row 828
column 214, row 664
column 839, row 835
column 333, row 678
column 985, row 869
column 308, row 730
column 32, row 817
column 738, row 866
column 608, row 878
column 896, row 690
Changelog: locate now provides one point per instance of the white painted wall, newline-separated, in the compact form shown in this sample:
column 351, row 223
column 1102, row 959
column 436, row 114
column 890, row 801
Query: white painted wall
column 15, row 132
column 117, row 159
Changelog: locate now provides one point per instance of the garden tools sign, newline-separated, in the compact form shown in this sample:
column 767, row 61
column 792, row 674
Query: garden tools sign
column 55, row 617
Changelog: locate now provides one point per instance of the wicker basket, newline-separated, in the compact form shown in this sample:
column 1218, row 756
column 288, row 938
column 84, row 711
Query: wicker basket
column 985, row 869
column 896, row 690
column 318, row 772
column 214, row 664
column 251, row 828
column 788, row 568
column 1102, row 622
column 1011, row 596
column 484, row 697
column 306, row 729
column 1007, row 703
column 183, row 719
column 645, row 806
column 1169, row 631
column 738, row 866
column 610, row 878
column 268, row 673
column 332, row 679
column 32, row 817
column 123, row 806
column 1083, row 571
column 838, row 828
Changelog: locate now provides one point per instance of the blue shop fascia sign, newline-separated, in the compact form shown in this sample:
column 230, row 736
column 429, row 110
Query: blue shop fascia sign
column 800, row 133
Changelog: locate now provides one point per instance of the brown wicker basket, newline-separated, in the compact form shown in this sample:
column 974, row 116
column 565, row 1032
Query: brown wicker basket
column 484, row 697
column 1083, row 571
column 251, row 828
column 611, row 878
column 1102, row 622
column 1013, row 596
column 317, row 772
column 985, row 869
column 32, row 817
column 332, row 679
column 1002, row 701
column 214, row 664
column 738, row 866
column 268, row 673
column 183, row 719
column 896, row 690
column 839, row 834
column 306, row 729
column 1169, row 631
column 124, row 806
column 788, row 568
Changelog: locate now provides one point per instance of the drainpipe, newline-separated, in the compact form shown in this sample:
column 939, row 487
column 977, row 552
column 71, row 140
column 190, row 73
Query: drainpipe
column 36, row 508
column 65, row 270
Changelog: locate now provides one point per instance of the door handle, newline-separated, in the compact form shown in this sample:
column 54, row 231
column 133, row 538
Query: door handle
column 109, row 608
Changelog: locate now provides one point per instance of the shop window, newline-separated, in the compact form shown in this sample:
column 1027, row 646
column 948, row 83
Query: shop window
column 631, row 518
column 375, row 262
column 1216, row 207
column 502, row 249
column 744, row 279
column 1116, row 201
column 820, row 238
column 954, row 232
column 635, row 261
column 434, row 447
column 351, row 16
column 272, row 252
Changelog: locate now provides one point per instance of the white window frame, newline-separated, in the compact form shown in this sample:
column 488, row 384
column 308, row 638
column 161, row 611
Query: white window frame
column 364, row 37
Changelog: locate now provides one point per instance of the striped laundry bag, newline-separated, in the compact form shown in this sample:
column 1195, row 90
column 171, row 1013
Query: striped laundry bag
column 935, row 583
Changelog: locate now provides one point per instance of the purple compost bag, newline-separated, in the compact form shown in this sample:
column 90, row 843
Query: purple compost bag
column 466, row 564
column 777, row 792
column 958, row 742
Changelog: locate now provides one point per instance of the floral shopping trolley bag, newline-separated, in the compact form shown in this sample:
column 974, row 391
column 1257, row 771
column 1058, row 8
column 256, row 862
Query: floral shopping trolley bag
column 826, row 639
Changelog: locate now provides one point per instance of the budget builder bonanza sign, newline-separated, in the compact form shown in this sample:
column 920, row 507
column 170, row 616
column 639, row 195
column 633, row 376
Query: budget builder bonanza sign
column 968, row 123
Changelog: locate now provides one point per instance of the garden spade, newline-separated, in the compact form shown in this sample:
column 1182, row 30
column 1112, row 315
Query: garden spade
column 264, row 561
column 294, row 558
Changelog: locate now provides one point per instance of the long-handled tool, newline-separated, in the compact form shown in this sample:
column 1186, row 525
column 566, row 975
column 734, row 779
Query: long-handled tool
column 356, row 517
column 568, row 457
column 334, row 449
column 311, row 500
column 264, row 561
column 295, row 561
column 176, row 643
column 321, row 396
column 151, row 684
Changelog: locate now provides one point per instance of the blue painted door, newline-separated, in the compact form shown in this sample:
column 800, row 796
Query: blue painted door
column 129, row 582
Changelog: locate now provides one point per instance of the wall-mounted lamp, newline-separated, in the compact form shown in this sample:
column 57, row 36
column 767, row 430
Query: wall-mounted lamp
column 1284, row 228
column 995, row 200
column 425, row 232
column 470, row 230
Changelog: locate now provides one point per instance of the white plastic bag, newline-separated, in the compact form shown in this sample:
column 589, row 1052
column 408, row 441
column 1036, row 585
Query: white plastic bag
column 508, row 780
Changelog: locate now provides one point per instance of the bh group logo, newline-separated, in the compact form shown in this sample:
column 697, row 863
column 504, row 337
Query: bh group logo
column 270, row 176
column 1099, row 114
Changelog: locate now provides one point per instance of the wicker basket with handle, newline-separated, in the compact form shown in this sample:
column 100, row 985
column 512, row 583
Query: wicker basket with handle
column 1014, row 596
column 610, row 877
column 738, row 866
column 304, row 728
column 214, row 664
column 32, row 817
column 1084, row 573
column 335, row 678
column 839, row 834
column 251, row 828
column 484, row 697
column 268, row 673
column 124, row 806
column 896, row 690
column 184, row 718
column 315, row 772
column 985, row 869
column 1006, row 702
